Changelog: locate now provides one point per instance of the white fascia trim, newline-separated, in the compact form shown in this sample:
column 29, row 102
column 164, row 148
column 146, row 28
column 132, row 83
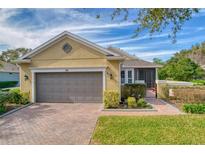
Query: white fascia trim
column 33, row 86
column 68, row 69
column 9, row 71
column 140, row 66
column 73, row 37
column 42, row 45
column 50, row 70
column 22, row 61
column 91, row 44
column 115, row 58
column 120, row 69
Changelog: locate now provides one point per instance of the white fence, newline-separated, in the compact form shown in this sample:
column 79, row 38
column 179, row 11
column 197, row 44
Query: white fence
column 174, row 83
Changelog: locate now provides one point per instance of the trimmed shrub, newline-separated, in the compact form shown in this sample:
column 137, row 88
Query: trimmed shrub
column 15, row 90
column 2, row 108
column 182, row 94
column 111, row 99
column 189, row 94
column 15, row 96
column 7, row 84
column 131, row 102
column 133, row 90
column 4, row 98
column 199, row 82
column 141, row 103
column 24, row 98
column 194, row 108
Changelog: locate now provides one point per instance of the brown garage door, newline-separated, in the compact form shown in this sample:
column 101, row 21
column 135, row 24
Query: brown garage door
column 69, row 87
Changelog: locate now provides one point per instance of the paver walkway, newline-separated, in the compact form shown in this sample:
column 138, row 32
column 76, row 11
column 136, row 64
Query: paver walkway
column 162, row 107
column 64, row 123
column 50, row 123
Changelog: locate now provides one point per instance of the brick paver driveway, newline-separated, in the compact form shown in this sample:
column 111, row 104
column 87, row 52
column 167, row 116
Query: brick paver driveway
column 50, row 123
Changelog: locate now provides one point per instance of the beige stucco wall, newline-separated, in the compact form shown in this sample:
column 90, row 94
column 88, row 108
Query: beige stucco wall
column 81, row 56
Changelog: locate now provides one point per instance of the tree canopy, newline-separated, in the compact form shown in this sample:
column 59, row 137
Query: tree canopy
column 185, row 65
column 158, row 61
column 155, row 19
column 181, row 69
column 12, row 54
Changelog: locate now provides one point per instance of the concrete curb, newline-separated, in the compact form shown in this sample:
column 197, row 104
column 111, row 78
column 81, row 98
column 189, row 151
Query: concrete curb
column 130, row 110
column 14, row 110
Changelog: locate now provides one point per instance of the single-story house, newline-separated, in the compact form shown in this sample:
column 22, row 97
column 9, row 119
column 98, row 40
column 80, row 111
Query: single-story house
column 8, row 72
column 68, row 68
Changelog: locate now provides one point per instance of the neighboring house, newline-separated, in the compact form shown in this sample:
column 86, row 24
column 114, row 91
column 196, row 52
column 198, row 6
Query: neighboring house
column 8, row 72
column 68, row 68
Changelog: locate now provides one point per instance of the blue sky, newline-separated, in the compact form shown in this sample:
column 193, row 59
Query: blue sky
column 30, row 27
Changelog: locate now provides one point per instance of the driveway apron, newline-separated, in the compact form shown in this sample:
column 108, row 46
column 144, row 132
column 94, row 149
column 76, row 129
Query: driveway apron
column 50, row 123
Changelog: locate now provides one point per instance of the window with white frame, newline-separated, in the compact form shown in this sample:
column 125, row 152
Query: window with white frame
column 122, row 76
column 129, row 76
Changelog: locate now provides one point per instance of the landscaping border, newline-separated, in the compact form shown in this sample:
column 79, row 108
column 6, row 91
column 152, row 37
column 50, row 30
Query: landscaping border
column 14, row 110
column 132, row 110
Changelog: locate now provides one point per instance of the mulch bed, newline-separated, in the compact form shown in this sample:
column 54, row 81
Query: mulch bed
column 125, row 106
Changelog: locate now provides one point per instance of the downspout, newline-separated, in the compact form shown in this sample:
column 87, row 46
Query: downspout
column 156, row 81
column 120, row 66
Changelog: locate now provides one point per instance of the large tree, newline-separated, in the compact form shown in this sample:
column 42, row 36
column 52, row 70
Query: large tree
column 158, row 61
column 12, row 54
column 155, row 20
column 181, row 69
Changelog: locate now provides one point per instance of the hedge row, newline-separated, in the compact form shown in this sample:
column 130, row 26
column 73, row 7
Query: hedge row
column 194, row 108
column 182, row 94
column 133, row 90
column 7, row 84
column 14, row 96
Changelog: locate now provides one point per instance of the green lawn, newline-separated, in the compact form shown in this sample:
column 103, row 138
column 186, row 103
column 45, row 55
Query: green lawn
column 183, row 129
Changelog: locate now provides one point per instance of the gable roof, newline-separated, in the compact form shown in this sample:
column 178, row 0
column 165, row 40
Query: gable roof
column 139, row 63
column 73, row 37
column 8, row 67
column 121, row 52
column 133, row 61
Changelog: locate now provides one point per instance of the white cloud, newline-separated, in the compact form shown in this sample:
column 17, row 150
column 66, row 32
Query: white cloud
column 129, row 40
column 131, row 48
column 155, row 53
column 39, row 28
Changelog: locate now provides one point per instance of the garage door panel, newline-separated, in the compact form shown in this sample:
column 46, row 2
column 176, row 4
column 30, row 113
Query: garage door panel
column 69, row 87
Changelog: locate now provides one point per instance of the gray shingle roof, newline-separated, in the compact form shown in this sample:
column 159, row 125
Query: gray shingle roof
column 139, row 64
column 8, row 67
column 121, row 52
column 133, row 61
